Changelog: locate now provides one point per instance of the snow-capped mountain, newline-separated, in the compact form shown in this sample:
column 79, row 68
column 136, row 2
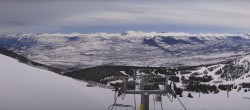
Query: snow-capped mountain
column 77, row 51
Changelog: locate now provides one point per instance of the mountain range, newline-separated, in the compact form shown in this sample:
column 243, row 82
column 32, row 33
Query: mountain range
column 103, row 58
column 69, row 52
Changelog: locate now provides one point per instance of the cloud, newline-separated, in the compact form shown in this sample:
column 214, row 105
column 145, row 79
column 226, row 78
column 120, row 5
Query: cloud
column 57, row 15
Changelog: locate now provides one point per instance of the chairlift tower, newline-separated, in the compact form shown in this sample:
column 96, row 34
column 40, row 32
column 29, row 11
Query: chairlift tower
column 146, row 82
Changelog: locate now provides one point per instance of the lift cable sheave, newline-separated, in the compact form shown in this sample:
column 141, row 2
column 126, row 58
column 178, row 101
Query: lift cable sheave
column 144, row 82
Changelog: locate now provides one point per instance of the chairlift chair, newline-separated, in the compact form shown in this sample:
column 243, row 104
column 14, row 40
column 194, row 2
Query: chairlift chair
column 121, row 106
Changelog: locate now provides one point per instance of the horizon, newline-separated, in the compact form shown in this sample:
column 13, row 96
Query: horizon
column 129, row 31
column 117, row 16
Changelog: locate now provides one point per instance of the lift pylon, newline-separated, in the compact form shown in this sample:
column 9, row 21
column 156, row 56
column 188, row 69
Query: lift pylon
column 146, row 82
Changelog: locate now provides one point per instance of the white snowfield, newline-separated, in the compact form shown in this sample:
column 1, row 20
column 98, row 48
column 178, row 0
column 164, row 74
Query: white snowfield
column 23, row 87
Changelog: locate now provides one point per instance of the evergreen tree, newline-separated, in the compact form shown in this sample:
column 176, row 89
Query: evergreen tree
column 190, row 96
column 239, row 89
column 245, row 90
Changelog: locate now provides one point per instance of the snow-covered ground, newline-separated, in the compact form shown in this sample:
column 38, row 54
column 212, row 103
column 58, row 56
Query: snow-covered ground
column 23, row 87
column 27, row 88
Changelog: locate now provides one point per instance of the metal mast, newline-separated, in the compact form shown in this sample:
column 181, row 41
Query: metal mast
column 146, row 84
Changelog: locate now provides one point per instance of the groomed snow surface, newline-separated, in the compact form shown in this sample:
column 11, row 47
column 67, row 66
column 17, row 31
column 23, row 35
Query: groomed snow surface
column 23, row 87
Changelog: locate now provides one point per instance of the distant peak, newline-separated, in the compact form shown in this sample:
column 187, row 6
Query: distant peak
column 135, row 34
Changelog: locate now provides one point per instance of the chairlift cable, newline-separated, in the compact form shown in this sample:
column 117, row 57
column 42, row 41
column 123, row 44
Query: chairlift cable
column 154, row 100
column 115, row 98
column 161, row 105
column 171, row 100
column 177, row 98
column 135, row 100
column 181, row 103
column 135, row 87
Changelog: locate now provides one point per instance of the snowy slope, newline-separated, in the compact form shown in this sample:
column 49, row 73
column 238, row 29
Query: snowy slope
column 232, row 72
column 27, row 88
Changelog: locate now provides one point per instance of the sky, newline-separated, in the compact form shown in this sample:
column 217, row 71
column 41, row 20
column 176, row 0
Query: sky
column 115, row 16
